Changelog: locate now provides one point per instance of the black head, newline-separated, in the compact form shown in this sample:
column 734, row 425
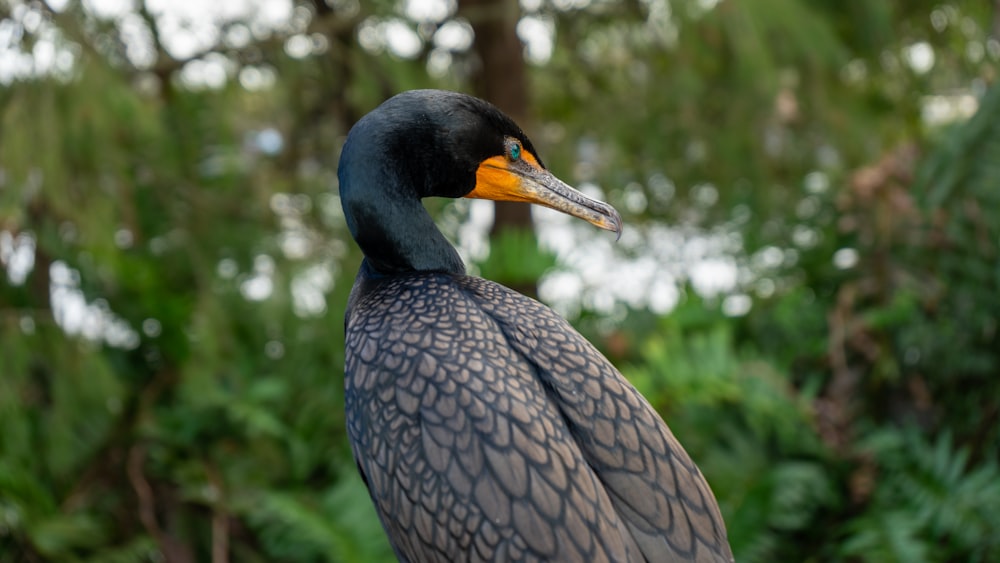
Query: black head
column 433, row 140
column 434, row 143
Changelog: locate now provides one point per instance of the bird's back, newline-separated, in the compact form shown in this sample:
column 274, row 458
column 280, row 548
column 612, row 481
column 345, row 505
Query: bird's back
column 488, row 429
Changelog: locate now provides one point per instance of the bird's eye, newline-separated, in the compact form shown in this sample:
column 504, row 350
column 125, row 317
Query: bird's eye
column 514, row 150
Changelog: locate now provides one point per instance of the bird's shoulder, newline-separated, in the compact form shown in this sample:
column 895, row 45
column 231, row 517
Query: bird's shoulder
column 655, row 486
column 415, row 340
column 440, row 403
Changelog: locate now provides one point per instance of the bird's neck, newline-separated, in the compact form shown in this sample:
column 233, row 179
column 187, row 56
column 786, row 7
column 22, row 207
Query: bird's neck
column 399, row 236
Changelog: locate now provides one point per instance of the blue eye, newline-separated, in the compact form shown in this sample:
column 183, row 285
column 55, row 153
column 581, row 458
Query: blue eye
column 514, row 152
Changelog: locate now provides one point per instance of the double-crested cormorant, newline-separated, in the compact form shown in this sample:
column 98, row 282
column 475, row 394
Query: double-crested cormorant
column 485, row 426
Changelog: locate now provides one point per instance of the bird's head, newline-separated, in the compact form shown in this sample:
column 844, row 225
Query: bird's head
column 438, row 143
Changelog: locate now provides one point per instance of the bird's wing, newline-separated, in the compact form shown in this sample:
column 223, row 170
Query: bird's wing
column 654, row 486
column 465, row 455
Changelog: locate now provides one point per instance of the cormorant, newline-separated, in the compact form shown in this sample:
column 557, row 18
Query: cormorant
column 485, row 427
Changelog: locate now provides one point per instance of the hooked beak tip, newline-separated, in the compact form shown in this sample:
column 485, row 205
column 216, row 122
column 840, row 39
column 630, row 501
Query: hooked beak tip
column 613, row 224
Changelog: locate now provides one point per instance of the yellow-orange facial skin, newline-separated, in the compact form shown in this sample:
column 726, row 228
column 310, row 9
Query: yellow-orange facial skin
column 496, row 179
column 501, row 178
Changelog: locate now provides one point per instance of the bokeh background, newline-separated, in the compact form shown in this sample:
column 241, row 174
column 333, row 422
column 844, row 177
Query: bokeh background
column 808, row 286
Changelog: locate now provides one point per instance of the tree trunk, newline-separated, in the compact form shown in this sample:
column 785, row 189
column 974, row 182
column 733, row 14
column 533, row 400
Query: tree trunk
column 501, row 79
column 996, row 20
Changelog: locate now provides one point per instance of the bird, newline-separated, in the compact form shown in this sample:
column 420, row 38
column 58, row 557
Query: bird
column 485, row 427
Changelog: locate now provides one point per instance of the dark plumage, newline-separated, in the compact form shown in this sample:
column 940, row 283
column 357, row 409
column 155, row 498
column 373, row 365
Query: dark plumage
column 486, row 427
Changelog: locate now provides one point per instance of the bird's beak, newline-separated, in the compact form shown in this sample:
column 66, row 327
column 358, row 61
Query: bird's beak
column 501, row 179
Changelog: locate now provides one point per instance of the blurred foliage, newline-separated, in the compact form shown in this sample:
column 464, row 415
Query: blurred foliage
column 516, row 256
column 175, row 264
